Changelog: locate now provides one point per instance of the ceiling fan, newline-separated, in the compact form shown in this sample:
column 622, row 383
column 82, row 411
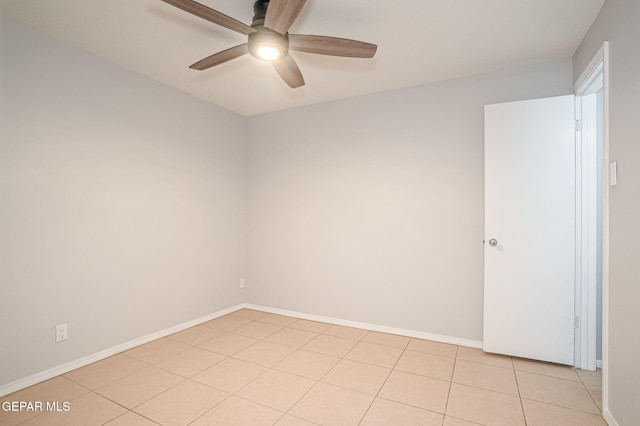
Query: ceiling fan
column 269, row 38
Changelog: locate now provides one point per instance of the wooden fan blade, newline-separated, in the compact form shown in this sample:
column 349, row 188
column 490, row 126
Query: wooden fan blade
column 211, row 15
column 282, row 13
column 332, row 46
column 221, row 57
column 289, row 71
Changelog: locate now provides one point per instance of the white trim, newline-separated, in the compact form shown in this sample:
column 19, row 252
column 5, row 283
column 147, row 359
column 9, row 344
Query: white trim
column 588, row 75
column 579, row 339
column 587, row 206
column 598, row 363
column 372, row 327
column 608, row 417
column 602, row 56
column 605, row 241
column 65, row 368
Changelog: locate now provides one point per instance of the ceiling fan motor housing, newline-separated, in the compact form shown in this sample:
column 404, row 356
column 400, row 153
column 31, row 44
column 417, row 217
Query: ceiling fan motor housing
column 265, row 37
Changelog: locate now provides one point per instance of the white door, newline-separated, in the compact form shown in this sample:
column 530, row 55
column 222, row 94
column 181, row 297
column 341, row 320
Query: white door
column 529, row 286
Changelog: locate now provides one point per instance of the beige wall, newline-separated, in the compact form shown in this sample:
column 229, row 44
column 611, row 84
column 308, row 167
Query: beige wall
column 121, row 204
column 371, row 209
column 618, row 23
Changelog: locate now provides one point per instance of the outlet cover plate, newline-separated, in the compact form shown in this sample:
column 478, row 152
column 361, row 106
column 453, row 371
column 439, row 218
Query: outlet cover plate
column 62, row 333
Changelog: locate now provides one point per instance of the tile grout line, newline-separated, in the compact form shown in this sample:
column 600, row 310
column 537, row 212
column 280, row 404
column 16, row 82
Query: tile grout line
column 453, row 371
column 205, row 413
column 168, row 389
column 230, row 394
column 135, row 413
column 146, row 400
column 343, row 358
column 485, row 363
column 273, row 368
column 474, row 387
column 546, row 375
column 146, row 365
column 524, row 414
column 394, row 369
column 564, row 407
column 589, row 392
column 385, row 380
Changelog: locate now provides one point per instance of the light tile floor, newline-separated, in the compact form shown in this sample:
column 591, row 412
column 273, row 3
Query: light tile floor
column 255, row 368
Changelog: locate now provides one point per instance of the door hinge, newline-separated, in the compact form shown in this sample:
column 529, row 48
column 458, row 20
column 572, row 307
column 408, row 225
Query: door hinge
column 576, row 322
column 578, row 126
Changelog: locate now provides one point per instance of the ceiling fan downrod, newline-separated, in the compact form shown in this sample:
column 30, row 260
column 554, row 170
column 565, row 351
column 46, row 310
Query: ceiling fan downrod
column 260, row 11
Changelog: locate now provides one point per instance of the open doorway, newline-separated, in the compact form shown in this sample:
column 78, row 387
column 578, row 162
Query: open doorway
column 593, row 177
column 589, row 147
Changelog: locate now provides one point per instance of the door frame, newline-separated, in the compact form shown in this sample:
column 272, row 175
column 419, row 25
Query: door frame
column 589, row 141
column 597, row 68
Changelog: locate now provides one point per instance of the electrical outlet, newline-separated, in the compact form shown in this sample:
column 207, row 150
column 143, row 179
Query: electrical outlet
column 242, row 283
column 62, row 332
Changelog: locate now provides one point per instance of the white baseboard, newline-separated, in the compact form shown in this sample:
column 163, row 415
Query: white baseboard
column 81, row 362
column 65, row 368
column 608, row 417
column 373, row 327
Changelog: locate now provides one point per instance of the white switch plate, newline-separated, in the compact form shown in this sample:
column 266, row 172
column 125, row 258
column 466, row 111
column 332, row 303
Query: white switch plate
column 62, row 332
column 613, row 173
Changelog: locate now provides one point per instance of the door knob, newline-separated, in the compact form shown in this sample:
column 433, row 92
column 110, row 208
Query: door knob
column 493, row 242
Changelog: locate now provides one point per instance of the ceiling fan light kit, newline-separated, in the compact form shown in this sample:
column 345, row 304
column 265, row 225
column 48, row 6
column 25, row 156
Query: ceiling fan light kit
column 268, row 45
column 269, row 39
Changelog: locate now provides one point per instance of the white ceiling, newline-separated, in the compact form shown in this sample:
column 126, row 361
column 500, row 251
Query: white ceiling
column 419, row 41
